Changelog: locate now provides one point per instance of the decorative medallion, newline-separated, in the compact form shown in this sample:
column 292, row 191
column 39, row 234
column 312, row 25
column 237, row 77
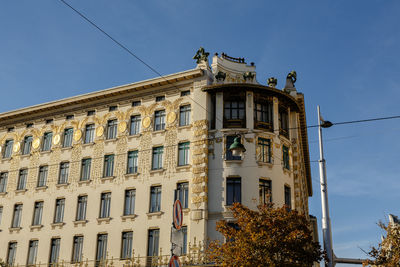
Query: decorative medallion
column 122, row 126
column 99, row 131
column 146, row 122
column 56, row 139
column 77, row 135
column 36, row 143
column 171, row 117
column 16, row 147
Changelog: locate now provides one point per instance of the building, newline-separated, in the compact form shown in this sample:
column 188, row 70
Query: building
column 94, row 176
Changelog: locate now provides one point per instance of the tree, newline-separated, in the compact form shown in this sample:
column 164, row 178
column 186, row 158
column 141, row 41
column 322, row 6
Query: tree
column 265, row 237
column 388, row 251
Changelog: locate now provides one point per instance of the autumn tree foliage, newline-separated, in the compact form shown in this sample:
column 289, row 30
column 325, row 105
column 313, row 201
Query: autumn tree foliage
column 388, row 251
column 265, row 237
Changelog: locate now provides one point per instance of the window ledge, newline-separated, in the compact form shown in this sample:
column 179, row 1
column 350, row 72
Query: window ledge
column 57, row 224
column 107, row 178
column 234, row 130
column 152, row 214
column 189, row 126
column 157, row 171
column 3, row 193
column 25, row 155
column 128, row 217
column 62, row 185
column 159, row 131
column 20, row 191
column 134, row 135
column 88, row 144
column 81, row 182
column 110, row 140
column 234, row 161
column 262, row 163
column 184, row 167
column 105, row 220
column 83, row 222
column 186, row 211
column 15, row 229
column 286, row 170
column 66, row 148
column 6, row 159
column 131, row 175
column 37, row 227
column 45, row 152
column 41, row 188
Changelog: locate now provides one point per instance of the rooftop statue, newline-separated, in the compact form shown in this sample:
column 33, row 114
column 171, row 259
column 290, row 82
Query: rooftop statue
column 272, row 82
column 248, row 76
column 291, row 78
column 201, row 55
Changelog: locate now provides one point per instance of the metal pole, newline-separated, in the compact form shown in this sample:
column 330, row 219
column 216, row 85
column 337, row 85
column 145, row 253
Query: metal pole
column 326, row 221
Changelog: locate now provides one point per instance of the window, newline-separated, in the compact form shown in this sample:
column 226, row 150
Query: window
column 265, row 191
column 135, row 125
column 185, row 93
column 157, row 161
column 85, row 169
column 69, row 117
column 184, row 245
column 126, row 251
column 288, row 197
column 184, row 115
column 263, row 113
column 81, row 208
column 129, row 207
column 47, row 138
column 64, row 170
column 101, row 250
column 108, row 166
column 1, row 213
column 77, row 249
column 136, row 103
column 233, row 191
column 105, row 204
column 12, row 250
column 154, row 236
column 27, row 145
column 132, row 162
column 59, row 210
column 182, row 193
column 283, row 122
column 183, row 153
column 8, row 146
column 234, row 110
column 68, row 133
column 23, row 174
column 16, row 221
column 159, row 120
column 3, row 182
column 29, row 125
column 49, row 121
column 285, row 157
column 155, row 198
column 160, row 98
column 113, row 108
column 112, row 129
column 229, row 141
column 42, row 179
column 54, row 251
column 32, row 252
column 264, row 150
column 91, row 112
column 89, row 133
column 37, row 213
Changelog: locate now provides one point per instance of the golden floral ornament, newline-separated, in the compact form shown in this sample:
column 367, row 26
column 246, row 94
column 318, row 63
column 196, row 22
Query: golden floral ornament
column 56, row 139
column 122, row 126
column 77, row 135
column 16, row 147
column 36, row 143
column 171, row 117
column 99, row 131
column 146, row 122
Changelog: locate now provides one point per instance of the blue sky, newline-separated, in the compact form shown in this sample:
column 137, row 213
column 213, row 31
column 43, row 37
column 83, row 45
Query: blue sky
column 345, row 54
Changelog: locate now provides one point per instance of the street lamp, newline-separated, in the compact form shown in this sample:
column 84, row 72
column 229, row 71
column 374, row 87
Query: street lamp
column 237, row 147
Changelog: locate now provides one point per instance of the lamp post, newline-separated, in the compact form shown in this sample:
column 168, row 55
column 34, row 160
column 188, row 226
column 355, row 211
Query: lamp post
column 326, row 221
column 237, row 147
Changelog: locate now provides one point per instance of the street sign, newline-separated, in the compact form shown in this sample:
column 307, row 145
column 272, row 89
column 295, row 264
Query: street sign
column 178, row 215
column 174, row 261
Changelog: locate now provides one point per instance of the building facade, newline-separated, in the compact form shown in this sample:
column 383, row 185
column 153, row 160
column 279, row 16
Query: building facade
column 95, row 176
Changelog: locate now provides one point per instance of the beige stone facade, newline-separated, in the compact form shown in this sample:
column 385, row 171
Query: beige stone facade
column 182, row 144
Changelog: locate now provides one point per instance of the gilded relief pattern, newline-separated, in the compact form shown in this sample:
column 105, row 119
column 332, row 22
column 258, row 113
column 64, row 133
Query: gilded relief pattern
column 74, row 170
column 145, row 150
column 200, row 159
column 121, row 158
